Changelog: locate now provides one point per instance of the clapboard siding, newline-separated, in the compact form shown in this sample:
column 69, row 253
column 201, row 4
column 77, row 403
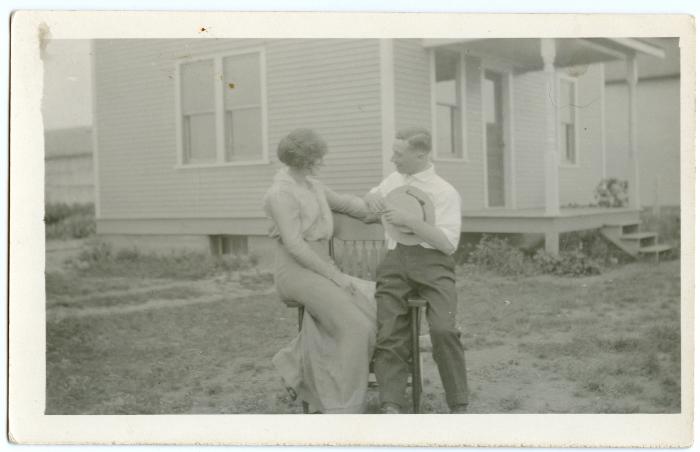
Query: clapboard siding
column 658, row 139
column 412, row 83
column 529, row 140
column 330, row 85
column 576, row 184
column 412, row 107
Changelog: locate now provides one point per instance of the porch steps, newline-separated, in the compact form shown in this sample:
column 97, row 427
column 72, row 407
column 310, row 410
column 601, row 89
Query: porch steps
column 634, row 242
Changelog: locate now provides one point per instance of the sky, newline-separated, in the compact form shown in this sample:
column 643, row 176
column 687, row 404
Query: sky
column 67, row 100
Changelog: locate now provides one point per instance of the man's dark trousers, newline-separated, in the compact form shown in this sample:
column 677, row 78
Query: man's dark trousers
column 430, row 275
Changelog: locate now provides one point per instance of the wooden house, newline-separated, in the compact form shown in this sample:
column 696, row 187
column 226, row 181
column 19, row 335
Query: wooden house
column 186, row 130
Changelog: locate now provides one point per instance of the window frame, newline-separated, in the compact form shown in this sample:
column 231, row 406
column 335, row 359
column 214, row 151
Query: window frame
column 462, row 105
column 220, row 111
column 562, row 156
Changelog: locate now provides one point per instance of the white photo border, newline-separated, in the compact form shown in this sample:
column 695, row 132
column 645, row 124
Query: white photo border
column 27, row 341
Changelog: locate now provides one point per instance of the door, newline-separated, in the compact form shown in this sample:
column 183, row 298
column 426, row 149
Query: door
column 495, row 142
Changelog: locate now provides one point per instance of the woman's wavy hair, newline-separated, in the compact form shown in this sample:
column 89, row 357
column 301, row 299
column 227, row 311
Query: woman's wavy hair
column 301, row 148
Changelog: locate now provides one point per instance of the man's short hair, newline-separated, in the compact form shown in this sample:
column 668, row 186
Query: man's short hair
column 417, row 138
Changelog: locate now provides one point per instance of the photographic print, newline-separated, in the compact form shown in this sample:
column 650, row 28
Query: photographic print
column 432, row 226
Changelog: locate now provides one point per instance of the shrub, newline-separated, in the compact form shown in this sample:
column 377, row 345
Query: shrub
column 592, row 244
column 99, row 259
column 498, row 255
column 55, row 212
column 567, row 263
column 73, row 221
column 612, row 192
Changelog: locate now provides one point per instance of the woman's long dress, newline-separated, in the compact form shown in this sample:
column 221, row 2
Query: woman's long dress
column 327, row 363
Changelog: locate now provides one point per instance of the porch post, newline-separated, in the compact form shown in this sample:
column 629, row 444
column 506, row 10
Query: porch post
column 551, row 154
column 632, row 79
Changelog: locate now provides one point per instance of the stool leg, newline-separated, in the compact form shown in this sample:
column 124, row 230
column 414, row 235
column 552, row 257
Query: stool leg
column 417, row 381
column 300, row 316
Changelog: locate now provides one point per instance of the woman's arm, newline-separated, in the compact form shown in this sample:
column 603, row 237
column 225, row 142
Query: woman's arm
column 347, row 204
column 285, row 212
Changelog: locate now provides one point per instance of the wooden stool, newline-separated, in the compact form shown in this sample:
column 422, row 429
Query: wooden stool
column 300, row 320
column 415, row 305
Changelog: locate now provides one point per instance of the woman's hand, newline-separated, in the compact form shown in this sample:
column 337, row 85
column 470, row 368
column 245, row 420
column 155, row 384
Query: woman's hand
column 375, row 202
column 344, row 282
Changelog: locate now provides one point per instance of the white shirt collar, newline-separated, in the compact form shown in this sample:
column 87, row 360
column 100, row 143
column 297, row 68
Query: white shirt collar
column 423, row 176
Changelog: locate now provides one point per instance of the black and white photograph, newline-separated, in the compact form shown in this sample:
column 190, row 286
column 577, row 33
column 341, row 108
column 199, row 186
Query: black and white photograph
column 403, row 226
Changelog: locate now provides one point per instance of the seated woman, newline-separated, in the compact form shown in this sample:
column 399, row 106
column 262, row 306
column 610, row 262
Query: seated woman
column 327, row 364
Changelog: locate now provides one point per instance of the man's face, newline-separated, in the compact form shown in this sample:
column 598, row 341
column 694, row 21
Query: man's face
column 407, row 160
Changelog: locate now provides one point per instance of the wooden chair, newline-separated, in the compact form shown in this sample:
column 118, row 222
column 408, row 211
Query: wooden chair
column 358, row 248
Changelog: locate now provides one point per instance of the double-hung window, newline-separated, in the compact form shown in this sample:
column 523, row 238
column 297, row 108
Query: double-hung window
column 567, row 121
column 448, row 94
column 221, row 111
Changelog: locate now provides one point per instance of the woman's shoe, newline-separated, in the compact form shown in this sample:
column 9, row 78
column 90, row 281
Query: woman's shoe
column 292, row 393
column 390, row 408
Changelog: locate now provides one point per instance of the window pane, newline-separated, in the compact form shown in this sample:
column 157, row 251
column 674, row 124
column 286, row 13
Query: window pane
column 446, row 76
column 567, row 121
column 197, row 87
column 199, row 138
column 570, row 144
column 444, row 130
column 489, row 93
column 243, row 134
column 197, row 104
column 567, row 143
column 242, row 80
column 566, row 102
column 448, row 104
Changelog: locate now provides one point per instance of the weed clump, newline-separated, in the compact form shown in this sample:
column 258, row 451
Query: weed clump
column 69, row 221
column 498, row 255
column 100, row 259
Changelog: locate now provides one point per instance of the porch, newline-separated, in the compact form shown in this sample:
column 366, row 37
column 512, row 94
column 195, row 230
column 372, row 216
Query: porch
column 551, row 225
column 559, row 62
column 510, row 221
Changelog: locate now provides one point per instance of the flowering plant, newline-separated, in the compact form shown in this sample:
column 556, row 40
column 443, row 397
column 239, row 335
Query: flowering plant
column 612, row 192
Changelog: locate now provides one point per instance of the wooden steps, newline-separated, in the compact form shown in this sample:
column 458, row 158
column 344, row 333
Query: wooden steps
column 654, row 249
column 636, row 243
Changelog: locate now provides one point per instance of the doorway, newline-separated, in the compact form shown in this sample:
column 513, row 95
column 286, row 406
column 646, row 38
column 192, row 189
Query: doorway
column 494, row 125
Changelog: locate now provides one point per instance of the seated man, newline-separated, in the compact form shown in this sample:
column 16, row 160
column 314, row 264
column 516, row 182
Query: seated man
column 425, row 267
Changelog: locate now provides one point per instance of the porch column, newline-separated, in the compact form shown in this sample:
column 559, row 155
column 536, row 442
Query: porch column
column 633, row 156
column 551, row 153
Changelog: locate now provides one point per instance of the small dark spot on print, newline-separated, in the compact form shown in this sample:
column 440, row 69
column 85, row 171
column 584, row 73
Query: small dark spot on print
column 231, row 85
column 202, row 30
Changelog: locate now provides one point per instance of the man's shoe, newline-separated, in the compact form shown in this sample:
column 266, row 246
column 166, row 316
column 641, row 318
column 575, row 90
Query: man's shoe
column 462, row 408
column 390, row 408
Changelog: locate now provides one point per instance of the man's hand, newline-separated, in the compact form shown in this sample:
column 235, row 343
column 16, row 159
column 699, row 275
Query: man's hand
column 375, row 202
column 398, row 217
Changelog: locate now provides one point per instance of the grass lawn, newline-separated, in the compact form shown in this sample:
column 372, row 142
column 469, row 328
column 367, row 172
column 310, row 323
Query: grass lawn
column 539, row 344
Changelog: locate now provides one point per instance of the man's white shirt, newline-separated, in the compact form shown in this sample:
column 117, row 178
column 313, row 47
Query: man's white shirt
column 447, row 202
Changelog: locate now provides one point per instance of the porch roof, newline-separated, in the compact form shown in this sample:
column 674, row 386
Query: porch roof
column 525, row 53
